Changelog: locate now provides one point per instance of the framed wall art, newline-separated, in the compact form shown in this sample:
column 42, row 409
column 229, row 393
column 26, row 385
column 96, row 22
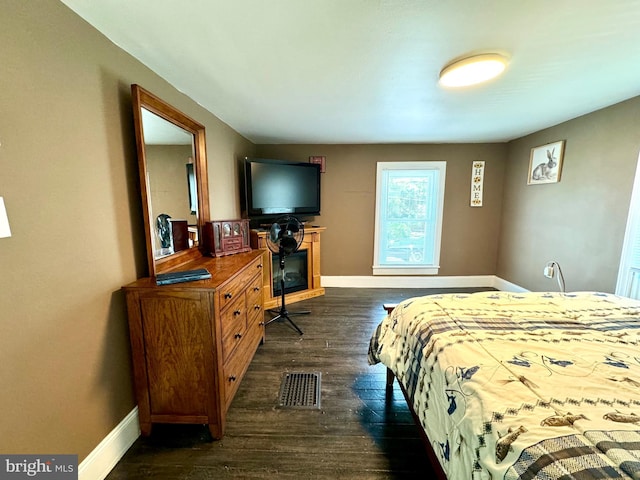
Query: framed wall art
column 545, row 163
column 320, row 160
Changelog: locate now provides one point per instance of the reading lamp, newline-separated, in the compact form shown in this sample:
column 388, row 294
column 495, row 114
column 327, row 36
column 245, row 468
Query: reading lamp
column 5, row 231
column 550, row 271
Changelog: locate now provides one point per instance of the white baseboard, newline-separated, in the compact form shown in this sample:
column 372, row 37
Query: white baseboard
column 430, row 281
column 111, row 449
column 506, row 286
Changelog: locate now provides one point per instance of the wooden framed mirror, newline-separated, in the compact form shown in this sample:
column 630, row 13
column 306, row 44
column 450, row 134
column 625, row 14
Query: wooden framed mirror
column 172, row 162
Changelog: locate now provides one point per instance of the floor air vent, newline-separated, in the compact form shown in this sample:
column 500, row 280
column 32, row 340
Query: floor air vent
column 300, row 390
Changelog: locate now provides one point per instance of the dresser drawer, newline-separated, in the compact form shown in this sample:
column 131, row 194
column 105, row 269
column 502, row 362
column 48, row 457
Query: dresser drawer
column 237, row 287
column 255, row 267
column 231, row 291
column 234, row 368
column 237, row 364
column 233, row 325
column 254, row 294
column 255, row 318
column 232, row 244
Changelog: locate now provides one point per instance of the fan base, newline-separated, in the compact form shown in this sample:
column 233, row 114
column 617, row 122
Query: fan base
column 282, row 314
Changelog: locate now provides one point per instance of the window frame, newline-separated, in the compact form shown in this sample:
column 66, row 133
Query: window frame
column 417, row 269
column 628, row 281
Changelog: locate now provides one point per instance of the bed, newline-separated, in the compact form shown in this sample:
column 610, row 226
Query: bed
column 520, row 386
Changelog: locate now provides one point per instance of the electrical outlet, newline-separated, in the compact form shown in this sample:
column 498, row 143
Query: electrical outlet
column 548, row 271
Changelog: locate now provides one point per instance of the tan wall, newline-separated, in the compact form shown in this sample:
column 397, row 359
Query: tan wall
column 580, row 221
column 469, row 236
column 70, row 184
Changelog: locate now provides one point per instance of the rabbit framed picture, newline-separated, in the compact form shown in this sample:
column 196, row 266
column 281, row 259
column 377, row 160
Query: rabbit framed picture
column 545, row 164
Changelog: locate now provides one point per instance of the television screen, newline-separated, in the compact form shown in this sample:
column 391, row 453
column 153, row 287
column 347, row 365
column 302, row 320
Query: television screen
column 276, row 187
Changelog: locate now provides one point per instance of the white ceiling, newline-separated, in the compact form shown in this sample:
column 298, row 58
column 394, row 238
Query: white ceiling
column 366, row 71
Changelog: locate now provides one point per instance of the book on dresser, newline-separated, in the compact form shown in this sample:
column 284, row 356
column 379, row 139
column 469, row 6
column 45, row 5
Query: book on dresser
column 180, row 277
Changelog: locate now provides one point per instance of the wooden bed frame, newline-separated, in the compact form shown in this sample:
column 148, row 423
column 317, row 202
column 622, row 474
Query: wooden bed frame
column 431, row 454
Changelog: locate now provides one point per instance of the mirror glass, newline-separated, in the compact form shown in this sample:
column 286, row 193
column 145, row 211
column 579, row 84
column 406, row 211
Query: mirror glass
column 172, row 184
column 172, row 163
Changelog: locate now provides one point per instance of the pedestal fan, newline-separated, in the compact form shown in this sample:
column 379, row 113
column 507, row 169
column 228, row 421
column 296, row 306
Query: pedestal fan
column 285, row 237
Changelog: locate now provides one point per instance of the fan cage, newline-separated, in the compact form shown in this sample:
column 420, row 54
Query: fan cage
column 282, row 224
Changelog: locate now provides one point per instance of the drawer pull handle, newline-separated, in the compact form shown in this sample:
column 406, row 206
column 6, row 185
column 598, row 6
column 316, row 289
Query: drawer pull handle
column 236, row 312
column 256, row 307
column 238, row 335
column 256, row 289
column 228, row 295
column 259, row 265
column 261, row 324
column 232, row 378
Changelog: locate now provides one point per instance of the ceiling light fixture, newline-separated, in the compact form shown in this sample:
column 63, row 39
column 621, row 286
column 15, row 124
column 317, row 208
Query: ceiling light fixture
column 473, row 70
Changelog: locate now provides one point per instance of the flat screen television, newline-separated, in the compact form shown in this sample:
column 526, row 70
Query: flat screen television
column 278, row 187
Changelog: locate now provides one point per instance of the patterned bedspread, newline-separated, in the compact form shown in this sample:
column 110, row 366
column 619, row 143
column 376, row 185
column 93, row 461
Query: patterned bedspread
column 521, row 386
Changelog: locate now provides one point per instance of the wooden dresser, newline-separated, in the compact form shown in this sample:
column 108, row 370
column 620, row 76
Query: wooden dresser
column 193, row 342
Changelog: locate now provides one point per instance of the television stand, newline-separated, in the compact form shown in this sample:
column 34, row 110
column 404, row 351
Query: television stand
column 310, row 243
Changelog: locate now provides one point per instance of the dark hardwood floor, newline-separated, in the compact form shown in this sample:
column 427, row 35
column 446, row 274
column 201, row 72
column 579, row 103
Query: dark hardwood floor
column 361, row 431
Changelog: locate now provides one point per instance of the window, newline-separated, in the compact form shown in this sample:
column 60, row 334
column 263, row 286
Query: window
column 629, row 272
column 409, row 203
